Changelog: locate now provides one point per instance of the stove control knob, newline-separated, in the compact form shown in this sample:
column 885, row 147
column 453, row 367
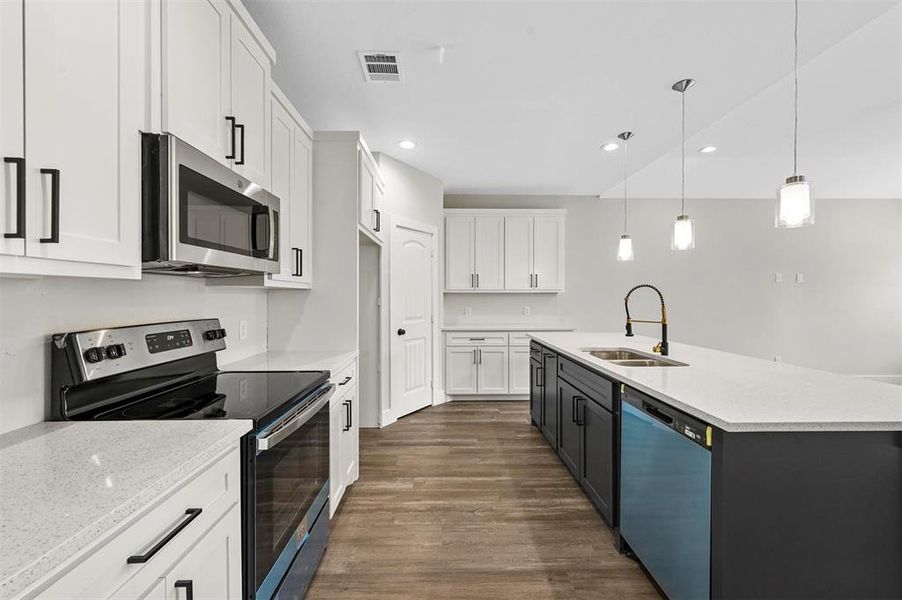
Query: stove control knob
column 210, row 335
column 95, row 355
column 115, row 351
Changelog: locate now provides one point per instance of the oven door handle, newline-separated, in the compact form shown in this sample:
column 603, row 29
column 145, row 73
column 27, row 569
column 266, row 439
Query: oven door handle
column 293, row 423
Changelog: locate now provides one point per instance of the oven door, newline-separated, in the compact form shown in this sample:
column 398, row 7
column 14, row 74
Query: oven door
column 291, row 483
column 217, row 217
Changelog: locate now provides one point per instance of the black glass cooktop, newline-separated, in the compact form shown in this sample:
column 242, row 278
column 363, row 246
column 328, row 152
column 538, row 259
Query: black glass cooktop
column 259, row 396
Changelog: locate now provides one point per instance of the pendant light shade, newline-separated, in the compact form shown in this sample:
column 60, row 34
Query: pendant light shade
column 795, row 198
column 625, row 247
column 683, row 228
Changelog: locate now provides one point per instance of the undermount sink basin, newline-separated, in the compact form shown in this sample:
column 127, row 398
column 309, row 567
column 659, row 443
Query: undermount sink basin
column 626, row 357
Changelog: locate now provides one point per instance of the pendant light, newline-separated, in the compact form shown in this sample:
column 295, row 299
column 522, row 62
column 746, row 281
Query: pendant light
column 625, row 248
column 795, row 198
column 683, row 228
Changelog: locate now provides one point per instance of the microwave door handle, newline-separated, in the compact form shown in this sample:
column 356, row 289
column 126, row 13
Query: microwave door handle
column 286, row 428
column 273, row 229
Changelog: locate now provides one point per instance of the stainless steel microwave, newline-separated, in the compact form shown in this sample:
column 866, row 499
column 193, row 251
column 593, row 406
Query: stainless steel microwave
column 201, row 218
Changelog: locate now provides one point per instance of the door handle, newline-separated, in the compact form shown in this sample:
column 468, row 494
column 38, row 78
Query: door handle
column 402, row 331
column 20, row 197
column 346, row 381
column 188, row 586
column 477, row 280
column 297, row 262
column 474, row 356
column 378, row 226
column 537, row 275
column 530, row 280
column 191, row 513
column 573, row 408
column 540, row 375
column 231, row 121
column 240, row 127
column 54, row 206
column 300, row 262
column 580, row 422
column 479, row 355
column 347, row 404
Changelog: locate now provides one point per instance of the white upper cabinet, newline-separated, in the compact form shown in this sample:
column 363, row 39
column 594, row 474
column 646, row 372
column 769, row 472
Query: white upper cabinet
column 250, row 82
column 301, row 225
column 371, row 191
column 494, row 250
column 80, row 185
column 196, row 75
column 216, row 84
column 281, row 167
column 12, row 130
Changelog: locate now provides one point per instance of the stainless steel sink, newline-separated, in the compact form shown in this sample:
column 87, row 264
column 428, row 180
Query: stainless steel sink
column 626, row 357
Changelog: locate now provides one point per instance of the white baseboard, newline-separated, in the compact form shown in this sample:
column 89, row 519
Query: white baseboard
column 518, row 398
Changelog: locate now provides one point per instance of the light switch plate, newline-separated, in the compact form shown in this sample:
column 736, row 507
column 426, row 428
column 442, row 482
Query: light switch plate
column 800, row 278
column 778, row 278
column 468, row 311
column 525, row 311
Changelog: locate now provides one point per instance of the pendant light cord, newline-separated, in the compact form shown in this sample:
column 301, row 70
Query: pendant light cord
column 683, row 156
column 795, row 71
column 625, row 157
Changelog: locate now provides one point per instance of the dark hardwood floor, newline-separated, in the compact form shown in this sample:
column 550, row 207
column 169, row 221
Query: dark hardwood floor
column 463, row 501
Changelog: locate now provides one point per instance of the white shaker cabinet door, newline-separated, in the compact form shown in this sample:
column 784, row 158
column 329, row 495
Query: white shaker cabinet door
column 195, row 75
column 492, row 367
column 12, row 129
column 548, row 253
column 489, row 253
column 337, row 485
column 519, row 370
column 302, row 204
column 460, row 370
column 84, row 108
column 459, row 253
column 366, row 192
column 518, row 253
column 251, row 89
column 281, row 167
column 350, row 438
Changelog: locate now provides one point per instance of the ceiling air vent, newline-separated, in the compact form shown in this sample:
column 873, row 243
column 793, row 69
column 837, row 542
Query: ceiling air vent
column 380, row 66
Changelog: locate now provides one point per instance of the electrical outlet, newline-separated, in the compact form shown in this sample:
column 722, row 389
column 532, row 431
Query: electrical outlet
column 525, row 311
column 242, row 329
column 468, row 311
column 778, row 358
column 800, row 278
column 778, row 278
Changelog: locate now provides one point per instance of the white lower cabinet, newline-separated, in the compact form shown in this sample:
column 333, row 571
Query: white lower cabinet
column 186, row 545
column 518, row 367
column 491, row 371
column 460, row 370
column 344, row 435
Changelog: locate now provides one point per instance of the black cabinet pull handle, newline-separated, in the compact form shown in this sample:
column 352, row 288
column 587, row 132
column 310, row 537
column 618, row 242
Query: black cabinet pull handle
column 300, row 262
column 540, row 375
column 240, row 127
column 54, row 206
column 580, row 422
column 191, row 514
column 189, row 588
column 347, row 404
column 231, row 121
column 346, row 381
column 20, row 197
column 378, row 219
column 573, row 409
column 297, row 269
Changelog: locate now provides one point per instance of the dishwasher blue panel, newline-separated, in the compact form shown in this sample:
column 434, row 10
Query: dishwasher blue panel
column 665, row 504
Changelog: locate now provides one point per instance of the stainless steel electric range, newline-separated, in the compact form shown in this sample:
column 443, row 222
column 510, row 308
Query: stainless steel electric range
column 169, row 371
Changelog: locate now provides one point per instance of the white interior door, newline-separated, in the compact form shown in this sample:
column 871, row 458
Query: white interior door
column 12, row 127
column 489, row 263
column 492, row 370
column 548, row 253
column 250, row 84
column 84, row 68
column 459, row 247
column 411, row 319
column 518, row 252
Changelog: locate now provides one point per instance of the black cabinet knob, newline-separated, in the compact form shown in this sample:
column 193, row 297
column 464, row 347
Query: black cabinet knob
column 402, row 331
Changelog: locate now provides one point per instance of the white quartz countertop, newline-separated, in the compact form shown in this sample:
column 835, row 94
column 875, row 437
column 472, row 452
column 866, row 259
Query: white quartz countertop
column 326, row 360
column 505, row 327
column 66, row 485
column 740, row 393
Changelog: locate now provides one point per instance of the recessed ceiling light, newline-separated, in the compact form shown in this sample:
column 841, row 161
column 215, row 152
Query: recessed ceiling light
column 610, row 147
column 707, row 149
column 407, row 144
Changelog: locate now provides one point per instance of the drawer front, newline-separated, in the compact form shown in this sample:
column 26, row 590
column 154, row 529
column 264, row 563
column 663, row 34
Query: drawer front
column 535, row 351
column 105, row 569
column 346, row 376
column 476, row 338
column 601, row 389
column 518, row 338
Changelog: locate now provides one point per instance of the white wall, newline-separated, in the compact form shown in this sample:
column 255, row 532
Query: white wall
column 412, row 194
column 33, row 309
column 845, row 317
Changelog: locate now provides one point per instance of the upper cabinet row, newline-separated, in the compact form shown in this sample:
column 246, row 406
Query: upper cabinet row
column 504, row 250
column 82, row 79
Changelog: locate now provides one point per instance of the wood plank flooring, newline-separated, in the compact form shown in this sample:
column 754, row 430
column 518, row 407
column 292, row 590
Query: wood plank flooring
column 463, row 501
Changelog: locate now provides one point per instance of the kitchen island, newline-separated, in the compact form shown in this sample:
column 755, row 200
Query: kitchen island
column 729, row 476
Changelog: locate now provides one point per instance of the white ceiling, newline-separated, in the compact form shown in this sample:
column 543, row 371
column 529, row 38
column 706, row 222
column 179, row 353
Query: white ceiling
column 528, row 91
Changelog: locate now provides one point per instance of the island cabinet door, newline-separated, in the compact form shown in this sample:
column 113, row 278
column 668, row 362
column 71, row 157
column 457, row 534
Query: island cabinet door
column 549, row 398
column 596, row 473
column 570, row 439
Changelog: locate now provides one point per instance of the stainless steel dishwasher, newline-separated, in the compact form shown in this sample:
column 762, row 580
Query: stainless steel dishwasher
column 665, row 494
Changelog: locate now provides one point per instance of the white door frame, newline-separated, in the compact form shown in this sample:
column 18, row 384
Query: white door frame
column 390, row 414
